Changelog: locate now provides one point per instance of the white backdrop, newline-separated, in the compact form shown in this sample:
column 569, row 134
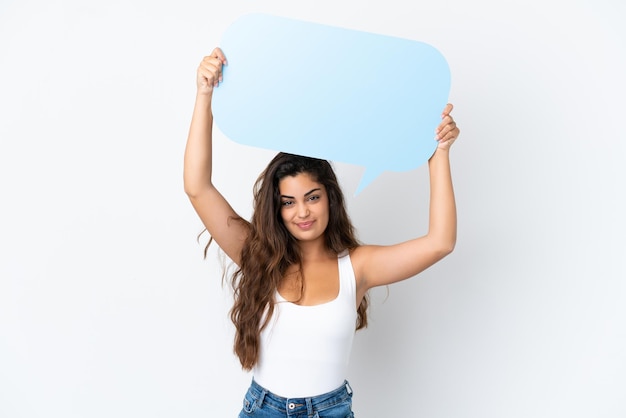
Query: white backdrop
column 107, row 308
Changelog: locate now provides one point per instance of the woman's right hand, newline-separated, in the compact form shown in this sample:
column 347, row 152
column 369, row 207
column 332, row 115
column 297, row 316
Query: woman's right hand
column 210, row 72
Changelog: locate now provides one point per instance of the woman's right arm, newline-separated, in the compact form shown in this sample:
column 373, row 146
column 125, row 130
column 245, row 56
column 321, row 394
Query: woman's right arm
column 219, row 218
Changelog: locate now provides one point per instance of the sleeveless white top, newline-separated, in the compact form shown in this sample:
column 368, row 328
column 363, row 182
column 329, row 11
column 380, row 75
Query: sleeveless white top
column 305, row 349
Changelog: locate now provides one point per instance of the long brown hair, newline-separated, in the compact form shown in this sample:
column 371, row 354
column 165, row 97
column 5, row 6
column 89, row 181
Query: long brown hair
column 270, row 249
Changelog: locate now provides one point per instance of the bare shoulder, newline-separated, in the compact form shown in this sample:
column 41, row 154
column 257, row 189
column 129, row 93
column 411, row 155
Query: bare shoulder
column 359, row 256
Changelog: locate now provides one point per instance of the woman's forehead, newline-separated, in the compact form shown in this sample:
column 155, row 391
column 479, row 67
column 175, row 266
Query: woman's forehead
column 298, row 185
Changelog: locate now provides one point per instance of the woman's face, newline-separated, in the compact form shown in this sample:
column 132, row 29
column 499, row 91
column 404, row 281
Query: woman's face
column 304, row 206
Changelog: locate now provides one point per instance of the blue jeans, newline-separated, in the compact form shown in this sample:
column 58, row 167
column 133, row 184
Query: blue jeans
column 261, row 403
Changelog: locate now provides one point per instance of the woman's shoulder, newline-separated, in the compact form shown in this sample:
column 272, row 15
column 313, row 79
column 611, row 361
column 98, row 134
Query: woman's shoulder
column 359, row 254
column 362, row 250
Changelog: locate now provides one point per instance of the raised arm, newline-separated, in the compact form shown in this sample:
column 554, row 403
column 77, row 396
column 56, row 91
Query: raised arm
column 216, row 214
column 381, row 265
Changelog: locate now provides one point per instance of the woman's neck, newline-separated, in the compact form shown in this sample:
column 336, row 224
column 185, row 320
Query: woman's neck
column 314, row 250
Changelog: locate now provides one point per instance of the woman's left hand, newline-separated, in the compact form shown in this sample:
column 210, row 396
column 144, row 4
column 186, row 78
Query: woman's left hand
column 447, row 132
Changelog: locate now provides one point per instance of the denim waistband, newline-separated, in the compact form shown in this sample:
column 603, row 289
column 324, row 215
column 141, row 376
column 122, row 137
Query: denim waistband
column 294, row 406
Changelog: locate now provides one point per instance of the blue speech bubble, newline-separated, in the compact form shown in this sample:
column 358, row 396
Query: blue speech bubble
column 331, row 93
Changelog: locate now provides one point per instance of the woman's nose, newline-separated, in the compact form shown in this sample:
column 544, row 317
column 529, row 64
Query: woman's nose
column 303, row 211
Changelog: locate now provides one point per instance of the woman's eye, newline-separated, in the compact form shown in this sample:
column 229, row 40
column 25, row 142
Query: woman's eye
column 287, row 203
column 314, row 197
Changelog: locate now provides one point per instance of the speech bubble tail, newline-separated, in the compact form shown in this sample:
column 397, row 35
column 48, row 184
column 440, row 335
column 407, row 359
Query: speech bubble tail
column 368, row 177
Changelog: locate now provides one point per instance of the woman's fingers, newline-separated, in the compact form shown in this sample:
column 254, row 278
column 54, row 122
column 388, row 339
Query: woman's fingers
column 447, row 131
column 212, row 67
column 446, row 126
column 219, row 61
column 210, row 70
column 217, row 52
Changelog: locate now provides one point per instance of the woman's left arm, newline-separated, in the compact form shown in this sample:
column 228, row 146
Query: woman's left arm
column 381, row 265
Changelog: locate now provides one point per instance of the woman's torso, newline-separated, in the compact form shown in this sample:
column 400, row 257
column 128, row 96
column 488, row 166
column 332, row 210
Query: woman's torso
column 305, row 349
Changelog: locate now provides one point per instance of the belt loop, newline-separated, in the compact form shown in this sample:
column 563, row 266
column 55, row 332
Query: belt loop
column 309, row 407
column 261, row 398
column 348, row 388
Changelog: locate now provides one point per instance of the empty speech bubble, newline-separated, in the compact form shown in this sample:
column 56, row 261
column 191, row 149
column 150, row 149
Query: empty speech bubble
column 331, row 93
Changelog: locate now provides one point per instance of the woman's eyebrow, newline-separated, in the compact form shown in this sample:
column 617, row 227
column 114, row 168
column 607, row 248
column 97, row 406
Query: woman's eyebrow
column 283, row 196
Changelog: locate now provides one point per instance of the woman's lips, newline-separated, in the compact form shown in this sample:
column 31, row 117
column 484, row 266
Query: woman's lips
column 305, row 225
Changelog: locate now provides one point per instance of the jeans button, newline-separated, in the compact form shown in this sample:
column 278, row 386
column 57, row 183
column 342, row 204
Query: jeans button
column 292, row 405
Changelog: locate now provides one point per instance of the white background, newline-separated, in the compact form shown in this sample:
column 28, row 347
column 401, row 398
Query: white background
column 108, row 309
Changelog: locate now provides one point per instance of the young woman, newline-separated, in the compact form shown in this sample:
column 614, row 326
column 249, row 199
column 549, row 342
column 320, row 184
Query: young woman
column 302, row 279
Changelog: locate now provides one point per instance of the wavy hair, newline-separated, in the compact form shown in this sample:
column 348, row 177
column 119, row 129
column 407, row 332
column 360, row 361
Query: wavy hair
column 270, row 249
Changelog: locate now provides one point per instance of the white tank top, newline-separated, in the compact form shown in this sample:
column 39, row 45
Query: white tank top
column 305, row 349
